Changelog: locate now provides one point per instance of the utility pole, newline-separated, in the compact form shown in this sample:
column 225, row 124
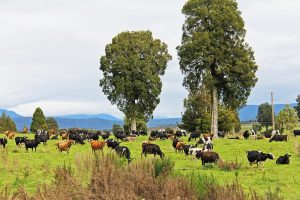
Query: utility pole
column 273, row 114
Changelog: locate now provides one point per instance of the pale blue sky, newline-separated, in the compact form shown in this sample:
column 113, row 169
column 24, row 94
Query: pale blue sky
column 50, row 51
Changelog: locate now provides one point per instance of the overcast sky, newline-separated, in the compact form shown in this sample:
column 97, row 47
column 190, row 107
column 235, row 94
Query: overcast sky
column 50, row 50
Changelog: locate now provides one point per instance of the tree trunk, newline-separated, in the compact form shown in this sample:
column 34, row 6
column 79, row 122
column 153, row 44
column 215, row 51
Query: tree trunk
column 133, row 124
column 214, row 112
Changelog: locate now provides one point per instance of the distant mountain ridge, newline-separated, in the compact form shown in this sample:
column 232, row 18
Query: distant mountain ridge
column 106, row 121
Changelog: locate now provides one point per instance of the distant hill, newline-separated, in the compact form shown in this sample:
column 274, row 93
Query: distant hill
column 10, row 113
column 106, row 121
column 249, row 112
column 85, row 116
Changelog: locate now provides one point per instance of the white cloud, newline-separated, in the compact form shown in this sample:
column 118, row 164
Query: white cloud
column 50, row 51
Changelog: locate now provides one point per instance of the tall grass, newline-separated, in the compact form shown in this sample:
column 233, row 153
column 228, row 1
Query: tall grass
column 112, row 178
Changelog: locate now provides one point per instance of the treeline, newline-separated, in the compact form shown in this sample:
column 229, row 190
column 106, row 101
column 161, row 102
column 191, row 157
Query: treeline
column 6, row 123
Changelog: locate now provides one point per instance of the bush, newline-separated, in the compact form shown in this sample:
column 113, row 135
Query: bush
column 230, row 165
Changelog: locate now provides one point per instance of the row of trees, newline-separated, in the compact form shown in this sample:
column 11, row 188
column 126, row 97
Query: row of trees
column 214, row 58
column 6, row 123
column 287, row 118
column 39, row 121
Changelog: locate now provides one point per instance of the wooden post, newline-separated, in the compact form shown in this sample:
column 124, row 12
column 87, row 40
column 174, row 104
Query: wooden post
column 273, row 113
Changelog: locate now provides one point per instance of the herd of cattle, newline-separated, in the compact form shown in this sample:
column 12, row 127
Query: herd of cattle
column 202, row 149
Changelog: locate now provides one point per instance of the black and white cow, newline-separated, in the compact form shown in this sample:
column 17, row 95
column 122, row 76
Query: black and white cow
column 124, row 152
column 279, row 138
column 258, row 157
column 3, row 142
column 283, row 159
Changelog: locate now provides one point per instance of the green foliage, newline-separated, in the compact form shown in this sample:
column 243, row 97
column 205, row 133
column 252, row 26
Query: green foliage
column 297, row 107
column 228, row 120
column 132, row 66
column 214, row 52
column 116, row 128
column 52, row 123
column 264, row 115
column 141, row 124
column 38, row 121
column 6, row 123
column 287, row 118
column 256, row 127
column 197, row 112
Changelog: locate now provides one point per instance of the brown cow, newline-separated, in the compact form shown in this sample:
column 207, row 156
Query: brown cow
column 179, row 146
column 10, row 134
column 64, row 135
column 97, row 145
column 129, row 139
column 208, row 157
column 64, row 146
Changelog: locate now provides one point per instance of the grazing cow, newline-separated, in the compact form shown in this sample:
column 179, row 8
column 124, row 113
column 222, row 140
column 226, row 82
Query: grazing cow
column 275, row 132
column 258, row 157
column 151, row 149
column 221, row 134
column 64, row 136
column 253, row 134
column 42, row 137
column 11, row 135
column 64, row 146
column 31, row 144
column 129, row 139
column 3, row 142
column 194, row 135
column 123, row 151
column 143, row 132
column 268, row 135
column 246, row 134
column 97, row 145
column 120, row 135
column 296, row 132
column 193, row 150
column 178, row 134
column 179, row 146
column 20, row 140
column 77, row 138
column 111, row 143
column 186, row 148
column 207, row 156
column 105, row 135
column 174, row 143
column 162, row 135
column 278, row 138
column 283, row 159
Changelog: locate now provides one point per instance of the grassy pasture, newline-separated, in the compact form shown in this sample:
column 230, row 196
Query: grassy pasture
column 28, row 169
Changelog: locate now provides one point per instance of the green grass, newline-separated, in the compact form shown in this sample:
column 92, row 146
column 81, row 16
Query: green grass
column 29, row 169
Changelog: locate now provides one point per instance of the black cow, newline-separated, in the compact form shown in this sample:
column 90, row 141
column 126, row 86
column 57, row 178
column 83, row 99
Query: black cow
column 162, row 135
column 120, row 135
column 41, row 137
column 257, row 157
column 111, row 143
column 105, row 135
column 55, row 137
column 123, row 151
column 3, row 142
column 194, row 135
column 77, row 138
column 187, row 147
column 283, row 159
column 143, row 132
column 246, row 134
column 296, row 132
column 278, row 138
column 31, row 144
column 207, row 156
column 221, row 134
column 174, row 143
column 20, row 140
column 151, row 149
